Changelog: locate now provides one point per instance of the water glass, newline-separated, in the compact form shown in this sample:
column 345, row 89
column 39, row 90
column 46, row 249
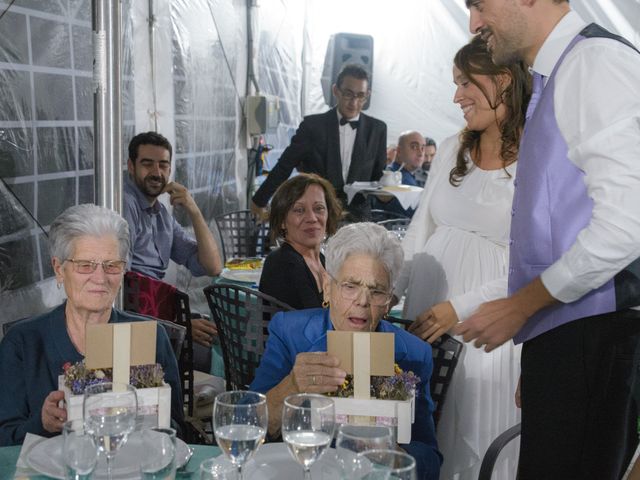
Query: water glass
column 159, row 460
column 218, row 469
column 240, row 422
column 79, row 452
column 382, row 464
column 308, row 422
column 110, row 411
column 354, row 439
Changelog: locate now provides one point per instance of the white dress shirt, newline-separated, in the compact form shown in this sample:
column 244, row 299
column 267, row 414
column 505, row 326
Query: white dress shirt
column 597, row 107
column 347, row 139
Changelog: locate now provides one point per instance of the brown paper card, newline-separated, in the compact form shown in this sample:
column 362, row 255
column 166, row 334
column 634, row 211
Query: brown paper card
column 382, row 350
column 99, row 344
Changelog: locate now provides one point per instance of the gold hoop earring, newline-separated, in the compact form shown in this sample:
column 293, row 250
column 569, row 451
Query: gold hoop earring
column 325, row 304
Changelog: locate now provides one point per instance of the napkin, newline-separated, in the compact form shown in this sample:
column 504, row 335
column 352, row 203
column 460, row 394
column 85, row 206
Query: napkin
column 22, row 467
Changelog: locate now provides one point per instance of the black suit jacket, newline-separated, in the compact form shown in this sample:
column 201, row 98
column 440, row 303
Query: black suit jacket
column 315, row 148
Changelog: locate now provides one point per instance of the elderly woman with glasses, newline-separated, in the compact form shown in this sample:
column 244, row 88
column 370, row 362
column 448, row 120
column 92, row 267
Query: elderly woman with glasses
column 89, row 246
column 362, row 261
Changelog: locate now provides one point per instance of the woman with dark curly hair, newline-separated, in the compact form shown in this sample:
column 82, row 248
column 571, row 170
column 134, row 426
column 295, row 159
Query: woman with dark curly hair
column 303, row 212
column 456, row 253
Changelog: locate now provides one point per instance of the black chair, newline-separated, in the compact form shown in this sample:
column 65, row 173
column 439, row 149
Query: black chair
column 446, row 351
column 242, row 316
column 491, row 455
column 242, row 235
column 148, row 296
column 176, row 334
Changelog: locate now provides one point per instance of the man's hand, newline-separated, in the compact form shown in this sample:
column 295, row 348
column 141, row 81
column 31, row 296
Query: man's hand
column 434, row 322
column 317, row 372
column 53, row 417
column 203, row 331
column 498, row 321
column 261, row 212
column 179, row 195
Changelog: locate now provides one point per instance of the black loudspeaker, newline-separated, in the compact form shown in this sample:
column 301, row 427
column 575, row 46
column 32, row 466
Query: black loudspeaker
column 344, row 48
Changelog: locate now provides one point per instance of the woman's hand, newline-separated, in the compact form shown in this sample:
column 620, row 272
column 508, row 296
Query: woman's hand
column 433, row 323
column 317, row 372
column 53, row 417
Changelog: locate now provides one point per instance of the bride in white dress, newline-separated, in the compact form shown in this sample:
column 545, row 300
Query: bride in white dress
column 456, row 252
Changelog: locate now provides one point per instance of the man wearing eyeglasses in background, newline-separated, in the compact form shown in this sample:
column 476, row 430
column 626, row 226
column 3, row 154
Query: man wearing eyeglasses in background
column 342, row 145
column 156, row 236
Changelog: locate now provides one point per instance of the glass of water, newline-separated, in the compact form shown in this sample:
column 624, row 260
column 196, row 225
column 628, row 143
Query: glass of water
column 308, row 422
column 381, row 464
column 353, row 439
column 79, row 451
column 240, row 422
column 159, row 459
column 110, row 416
column 218, row 469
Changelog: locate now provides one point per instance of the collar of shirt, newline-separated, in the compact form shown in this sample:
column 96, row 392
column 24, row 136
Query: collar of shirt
column 354, row 119
column 141, row 199
column 556, row 43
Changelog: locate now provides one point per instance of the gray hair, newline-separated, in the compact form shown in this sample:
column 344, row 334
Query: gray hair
column 87, row 220
column 365, row 238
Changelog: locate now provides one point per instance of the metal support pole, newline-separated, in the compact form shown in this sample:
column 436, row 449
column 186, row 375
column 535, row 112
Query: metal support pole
column 107, row 105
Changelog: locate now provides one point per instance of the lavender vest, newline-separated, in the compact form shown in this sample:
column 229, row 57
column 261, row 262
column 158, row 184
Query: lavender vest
column 550, row 208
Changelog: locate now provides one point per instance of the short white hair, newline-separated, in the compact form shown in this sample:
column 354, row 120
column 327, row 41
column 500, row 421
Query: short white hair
column 87, row 220
column 365, row 238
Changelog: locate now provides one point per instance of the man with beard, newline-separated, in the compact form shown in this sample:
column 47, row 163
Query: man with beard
column 156, row 237
column 574, row 267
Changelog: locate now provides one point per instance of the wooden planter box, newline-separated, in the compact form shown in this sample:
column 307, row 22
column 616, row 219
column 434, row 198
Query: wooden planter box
column 154, row 405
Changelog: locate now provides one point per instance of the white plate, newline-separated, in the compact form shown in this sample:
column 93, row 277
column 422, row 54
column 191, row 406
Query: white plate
column 274, row 462
column 46, row 458
column 248, row 276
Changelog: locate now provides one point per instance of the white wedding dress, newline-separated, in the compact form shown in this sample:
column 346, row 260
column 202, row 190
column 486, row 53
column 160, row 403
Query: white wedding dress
column 456, row 249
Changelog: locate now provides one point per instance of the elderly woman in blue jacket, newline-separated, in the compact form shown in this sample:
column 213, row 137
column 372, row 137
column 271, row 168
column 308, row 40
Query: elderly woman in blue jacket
column 362, row 262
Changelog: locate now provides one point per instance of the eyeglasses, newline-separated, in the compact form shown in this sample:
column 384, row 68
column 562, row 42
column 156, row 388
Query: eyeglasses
column 352, row 291
column 111, row 267
column 358, row 97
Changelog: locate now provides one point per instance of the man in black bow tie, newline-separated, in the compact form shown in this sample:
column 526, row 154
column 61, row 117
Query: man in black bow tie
column 342, row 145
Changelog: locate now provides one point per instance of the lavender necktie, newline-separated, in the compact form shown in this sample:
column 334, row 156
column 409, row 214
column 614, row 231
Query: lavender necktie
column 538, row 85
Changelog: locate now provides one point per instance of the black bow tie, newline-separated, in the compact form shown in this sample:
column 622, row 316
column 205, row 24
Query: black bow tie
column 353, row 123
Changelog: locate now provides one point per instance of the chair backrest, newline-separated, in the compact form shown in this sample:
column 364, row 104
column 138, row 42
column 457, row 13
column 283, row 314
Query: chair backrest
column 148, row 296
column 378, row 215
column 446, row 352
column 491, row 455
column 242, row 235
column 176, row 334
column 242, row 316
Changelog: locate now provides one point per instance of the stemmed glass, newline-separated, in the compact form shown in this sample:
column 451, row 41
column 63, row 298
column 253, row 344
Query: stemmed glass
column 386, row 464
column 308, row 422
column 79, row 452
column 353, row 439
column 110, row 416
column 240, row 422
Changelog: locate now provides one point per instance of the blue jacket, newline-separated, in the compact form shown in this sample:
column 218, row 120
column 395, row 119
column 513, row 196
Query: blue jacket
column 300, row 331
column 32, row 354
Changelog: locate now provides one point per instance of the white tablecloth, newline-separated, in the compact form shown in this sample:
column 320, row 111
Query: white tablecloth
column 407, row 195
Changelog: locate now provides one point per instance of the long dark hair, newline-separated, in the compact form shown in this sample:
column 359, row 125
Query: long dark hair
column 475, row 59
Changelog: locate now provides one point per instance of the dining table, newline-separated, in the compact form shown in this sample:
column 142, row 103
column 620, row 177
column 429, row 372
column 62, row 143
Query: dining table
column 14, row 463
column 408, row 195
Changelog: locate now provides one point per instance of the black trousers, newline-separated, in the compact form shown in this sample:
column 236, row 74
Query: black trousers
column 579, row 420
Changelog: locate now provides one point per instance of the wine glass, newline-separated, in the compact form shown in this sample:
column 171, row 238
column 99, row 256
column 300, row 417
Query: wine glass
column 383, row 464
column 110, row 416
column 159, row 460
column 308, row 422
column 79, row 452
column 353, row 439
column 240, row 422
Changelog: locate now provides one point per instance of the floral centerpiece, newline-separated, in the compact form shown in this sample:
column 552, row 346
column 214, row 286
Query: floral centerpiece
column 400, row 386
column 154, row 396
column 391, row 403
column 77, row 376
